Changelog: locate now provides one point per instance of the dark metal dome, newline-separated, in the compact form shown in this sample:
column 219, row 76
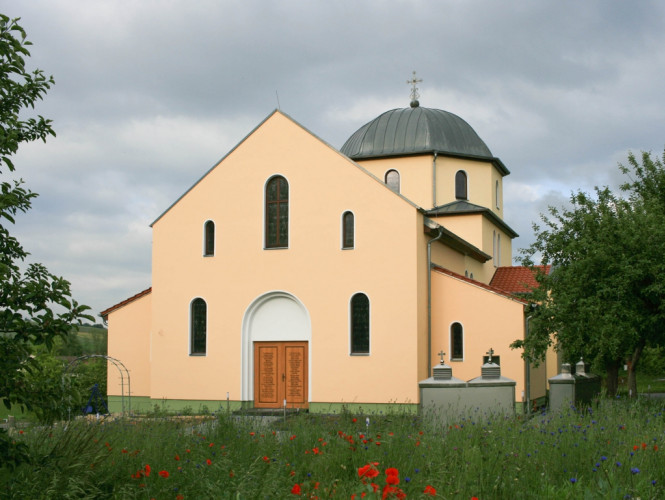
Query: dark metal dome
column 415, row 130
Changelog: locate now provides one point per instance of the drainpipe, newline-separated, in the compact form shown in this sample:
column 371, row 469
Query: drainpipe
column 527, row 376
column 434, row 180
column 429, row 299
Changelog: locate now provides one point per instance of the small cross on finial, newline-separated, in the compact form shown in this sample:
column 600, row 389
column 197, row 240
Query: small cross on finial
column 414, row 90
column 442, row 354
column 490, row 353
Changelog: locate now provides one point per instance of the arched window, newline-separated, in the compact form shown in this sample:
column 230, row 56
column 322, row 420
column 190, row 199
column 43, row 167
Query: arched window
column 498, row 250
column 461, row 185
column 359, row 324
column 348, row 230
column 209, row 238
column 197, row 326
column 277, row 213
column 392, row 180
column 456, row 342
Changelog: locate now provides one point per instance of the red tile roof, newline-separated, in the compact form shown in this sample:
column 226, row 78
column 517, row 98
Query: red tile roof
column 104, row 314
column 517, row 279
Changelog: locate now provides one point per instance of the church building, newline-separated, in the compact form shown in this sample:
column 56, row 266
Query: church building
column 296, row 274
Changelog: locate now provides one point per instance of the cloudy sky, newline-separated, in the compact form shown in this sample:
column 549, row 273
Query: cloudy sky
column 150, row 94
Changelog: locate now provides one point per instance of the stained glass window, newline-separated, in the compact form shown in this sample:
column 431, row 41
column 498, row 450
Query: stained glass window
column 209, row 238
column 277, row 213
column 359, row 324
column 457, row 341
column 198, row 319
column 348, row 230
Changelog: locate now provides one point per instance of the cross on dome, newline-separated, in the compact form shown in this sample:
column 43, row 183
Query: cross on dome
column 414, row 90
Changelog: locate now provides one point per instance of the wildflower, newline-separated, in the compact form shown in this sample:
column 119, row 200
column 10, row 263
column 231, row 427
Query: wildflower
column 292, row 437
column 603, row 458
column 266, row 459
column 634, row 470
column 429, row 491
column 147, row 470
column 655, row 447
column 367, row 471
column 296, row 489
column 573, row 480
column 618, row 464
column 164, row 473
column 180, row 497
column 635, row 448
column 392, row 476
column 124, row 450
column 208, row 461
column 177, row 457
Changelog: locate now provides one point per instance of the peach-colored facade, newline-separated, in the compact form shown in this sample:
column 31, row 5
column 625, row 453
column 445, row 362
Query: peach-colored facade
column 303, row 292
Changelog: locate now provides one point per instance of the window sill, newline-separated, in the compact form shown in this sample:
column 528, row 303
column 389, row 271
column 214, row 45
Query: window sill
column 456, row 360
column 358, row 354
column 197, row 354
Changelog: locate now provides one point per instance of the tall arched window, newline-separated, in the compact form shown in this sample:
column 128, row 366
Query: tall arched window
column 198, row 326
column 277, row 213
column 348, row 230
column 392, row 180
column 209, row 238
column 359, row 312
column 461, row 191
column 456, row 342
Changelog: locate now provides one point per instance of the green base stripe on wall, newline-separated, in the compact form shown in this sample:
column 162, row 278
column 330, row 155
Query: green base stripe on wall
column 145, row 404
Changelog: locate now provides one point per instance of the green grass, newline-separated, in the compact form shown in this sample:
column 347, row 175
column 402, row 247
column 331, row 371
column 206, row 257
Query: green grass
column 613, row 450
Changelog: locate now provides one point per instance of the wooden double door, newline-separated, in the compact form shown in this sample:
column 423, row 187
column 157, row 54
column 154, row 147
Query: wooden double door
column 280, row 373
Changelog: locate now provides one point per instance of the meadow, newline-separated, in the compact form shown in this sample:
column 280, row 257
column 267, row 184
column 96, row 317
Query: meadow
column 612, row 449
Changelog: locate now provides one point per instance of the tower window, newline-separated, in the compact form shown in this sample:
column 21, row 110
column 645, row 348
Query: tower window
column 392, row 180
column 461, row 192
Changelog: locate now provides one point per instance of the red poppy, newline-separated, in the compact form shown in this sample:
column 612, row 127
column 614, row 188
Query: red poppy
column 429, row 490
column 164, row 473
column 367, row 471
column 266, row 459
column 296, row 489
column 392, row 476
column 147, row 470
column 177, row 457
column 208, row 461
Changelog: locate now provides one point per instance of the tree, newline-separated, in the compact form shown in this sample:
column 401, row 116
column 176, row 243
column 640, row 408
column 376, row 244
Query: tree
column 35, row 306
column 604, row 298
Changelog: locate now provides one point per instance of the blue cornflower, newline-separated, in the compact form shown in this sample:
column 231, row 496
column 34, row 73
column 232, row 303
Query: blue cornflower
column 618, row 464
column 573, row 480
column 407, row 479
column 634, row 470
column 603, row 458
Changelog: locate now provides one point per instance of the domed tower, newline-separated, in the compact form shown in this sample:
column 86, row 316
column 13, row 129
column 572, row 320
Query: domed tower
column 436, row 160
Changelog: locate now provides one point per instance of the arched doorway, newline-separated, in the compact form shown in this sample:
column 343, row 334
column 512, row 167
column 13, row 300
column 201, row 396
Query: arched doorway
column 276, row 338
